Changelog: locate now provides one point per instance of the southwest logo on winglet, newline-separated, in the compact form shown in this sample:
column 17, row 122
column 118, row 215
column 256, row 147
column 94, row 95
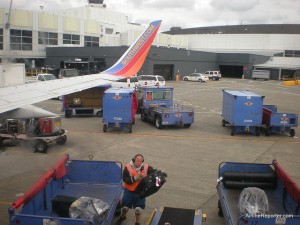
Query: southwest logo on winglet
column 137, row 46
column 132, row 60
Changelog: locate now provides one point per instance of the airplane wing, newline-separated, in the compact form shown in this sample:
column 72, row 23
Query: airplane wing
column 13, row 97
column 27, row 112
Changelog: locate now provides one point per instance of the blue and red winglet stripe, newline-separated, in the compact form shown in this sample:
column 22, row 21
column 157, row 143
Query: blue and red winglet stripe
column 132, row 60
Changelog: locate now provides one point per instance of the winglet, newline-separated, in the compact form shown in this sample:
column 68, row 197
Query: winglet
column 133, row 59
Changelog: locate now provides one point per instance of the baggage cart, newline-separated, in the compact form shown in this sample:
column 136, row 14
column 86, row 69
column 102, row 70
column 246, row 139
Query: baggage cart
column 87, row 102
column 39, row 132
column 119, row 108
column 48, row 200
column 156, row 105
column 281, row 194
column 275, row 122
column 242, row 110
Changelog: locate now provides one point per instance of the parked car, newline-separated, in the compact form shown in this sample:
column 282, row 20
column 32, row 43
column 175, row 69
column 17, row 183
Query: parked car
column 160, row 80
column 146, row 80
column 45, row 77
column 213, row 74
column 196, row 77
column 151, row 80
column 126, row 83
column 40, row 77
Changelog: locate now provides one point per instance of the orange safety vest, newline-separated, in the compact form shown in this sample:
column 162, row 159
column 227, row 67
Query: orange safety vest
column 132, row 173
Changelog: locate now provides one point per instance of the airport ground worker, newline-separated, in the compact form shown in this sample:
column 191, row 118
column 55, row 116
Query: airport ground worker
column 133, row 173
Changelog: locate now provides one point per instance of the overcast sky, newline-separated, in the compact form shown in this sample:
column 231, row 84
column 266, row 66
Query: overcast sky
column 185, row 13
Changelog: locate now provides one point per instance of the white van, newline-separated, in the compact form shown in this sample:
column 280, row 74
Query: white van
column 126, row 83
column 261, row 74
column 213, row 74
column 146, row 80
column 151, row 80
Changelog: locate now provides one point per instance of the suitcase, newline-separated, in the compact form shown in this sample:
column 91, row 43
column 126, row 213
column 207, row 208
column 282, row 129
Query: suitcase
column 150, row 184
column 61, row 205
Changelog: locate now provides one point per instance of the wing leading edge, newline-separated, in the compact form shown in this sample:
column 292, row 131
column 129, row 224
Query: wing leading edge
column 129, row 64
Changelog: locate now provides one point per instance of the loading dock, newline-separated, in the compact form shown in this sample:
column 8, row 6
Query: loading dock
column 231, row 71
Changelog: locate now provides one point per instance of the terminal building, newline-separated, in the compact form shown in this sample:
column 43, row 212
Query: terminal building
column 94, row 33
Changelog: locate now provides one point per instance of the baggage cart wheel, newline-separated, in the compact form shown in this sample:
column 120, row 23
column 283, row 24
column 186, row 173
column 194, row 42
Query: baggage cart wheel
column 292, row 132
column 130, row 128
column 187, row 125
column 158, row 123
column 68, row 114
column 104, row 128
column 40, row 146
column 62, row 140
column 257, row 131
column 99, row 113
column 220, row 211
column 223, row 122
column 268, row 131
column 232, row 131
column 143, row 118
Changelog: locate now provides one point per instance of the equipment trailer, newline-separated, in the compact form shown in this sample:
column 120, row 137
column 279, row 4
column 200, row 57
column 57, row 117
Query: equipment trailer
column 156, row 105
column 48, row 201
column 280, row 193
column 276, row 122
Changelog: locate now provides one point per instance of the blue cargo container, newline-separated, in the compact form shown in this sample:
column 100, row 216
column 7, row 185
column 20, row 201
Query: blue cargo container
column 243, row 110
column 119, row 108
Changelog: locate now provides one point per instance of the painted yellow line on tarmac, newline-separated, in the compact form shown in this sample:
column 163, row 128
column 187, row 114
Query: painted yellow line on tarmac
column 197, row 137
column 5, row 203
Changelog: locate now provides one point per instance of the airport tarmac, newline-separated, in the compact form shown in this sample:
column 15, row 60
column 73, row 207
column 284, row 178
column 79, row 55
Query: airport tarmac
column 189, row 156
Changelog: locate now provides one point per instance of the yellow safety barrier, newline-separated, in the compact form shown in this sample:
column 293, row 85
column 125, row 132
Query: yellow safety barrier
column 291, row 82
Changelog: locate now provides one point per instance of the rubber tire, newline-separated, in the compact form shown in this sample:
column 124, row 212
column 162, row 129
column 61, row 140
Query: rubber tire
column 104, row 128
column 223, row 122
column 1, row 141
column 158, row 123
column 257, row 131
column 143, row 118
column 130, row 128
column 232, row 131
column 220, row 211
column 40, row 146
column 68, row 114
column 62, row 140
column 187, row 125
column 99, row 113
column 200, row 80
column 292, row 132
column 268, row 131
column 185, row 79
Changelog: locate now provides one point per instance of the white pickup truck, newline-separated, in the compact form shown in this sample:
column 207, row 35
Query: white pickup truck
column 40, row 77
column 45, row 77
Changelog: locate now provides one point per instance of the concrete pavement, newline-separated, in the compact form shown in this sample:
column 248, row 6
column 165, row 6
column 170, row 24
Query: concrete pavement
column 189, row 156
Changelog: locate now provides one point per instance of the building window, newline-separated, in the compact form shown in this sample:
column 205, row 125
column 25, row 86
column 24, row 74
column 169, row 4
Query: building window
column 21, row 40
column 292, row 53
column 90, row 41
column 48, row 38
column 71, row 39
column 109, row 30
column 1, row 39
